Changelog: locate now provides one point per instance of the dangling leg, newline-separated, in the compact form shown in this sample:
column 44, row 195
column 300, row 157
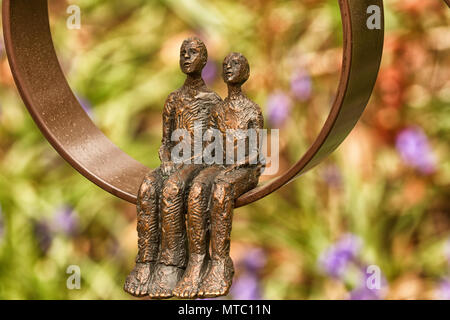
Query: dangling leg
column 197, row 230
column 172, row 258
column 228, row 187
column 148, row 234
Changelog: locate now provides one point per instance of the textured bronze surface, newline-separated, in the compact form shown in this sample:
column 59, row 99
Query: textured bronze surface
column 58, row 114
column 164, row 268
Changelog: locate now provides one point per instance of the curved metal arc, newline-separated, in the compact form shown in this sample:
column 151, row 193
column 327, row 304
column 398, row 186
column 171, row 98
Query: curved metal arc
column 54, row 107
column 57, row 112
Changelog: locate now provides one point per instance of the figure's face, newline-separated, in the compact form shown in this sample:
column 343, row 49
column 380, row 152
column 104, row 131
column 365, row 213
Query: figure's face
column 234, row 69
column 191, row 59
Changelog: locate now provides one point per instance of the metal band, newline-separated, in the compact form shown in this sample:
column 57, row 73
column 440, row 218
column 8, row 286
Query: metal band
column 59, row 116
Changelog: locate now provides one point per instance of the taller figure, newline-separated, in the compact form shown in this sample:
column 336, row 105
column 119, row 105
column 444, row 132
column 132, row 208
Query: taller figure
column 162, row 241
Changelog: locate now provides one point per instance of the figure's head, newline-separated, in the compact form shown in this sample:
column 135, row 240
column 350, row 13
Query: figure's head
column 193, row 56
column 236, row 69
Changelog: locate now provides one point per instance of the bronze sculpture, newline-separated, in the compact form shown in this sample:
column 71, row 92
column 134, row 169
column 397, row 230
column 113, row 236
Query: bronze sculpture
column 210, row 190
column 161, row 257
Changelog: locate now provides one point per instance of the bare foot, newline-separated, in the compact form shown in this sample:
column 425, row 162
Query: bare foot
column 164, row 280
column 137, row 281
column 218, row 281
column 188, row 286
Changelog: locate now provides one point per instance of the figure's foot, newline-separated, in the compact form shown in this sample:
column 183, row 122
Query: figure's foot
column 187, row 287
column 218, row 281
column 164, row 280
column 138, row 280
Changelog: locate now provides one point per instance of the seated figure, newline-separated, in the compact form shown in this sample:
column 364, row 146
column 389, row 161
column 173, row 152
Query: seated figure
column 162, row 255
column 214, row 191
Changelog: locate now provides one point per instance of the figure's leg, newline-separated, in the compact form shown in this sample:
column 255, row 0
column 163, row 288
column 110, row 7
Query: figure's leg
column 172, row 258
column 228, row 187
column 148, row 234
column 197, row 230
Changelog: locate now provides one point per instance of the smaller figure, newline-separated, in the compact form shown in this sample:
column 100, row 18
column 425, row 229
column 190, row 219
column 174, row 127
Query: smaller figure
column 214, row 191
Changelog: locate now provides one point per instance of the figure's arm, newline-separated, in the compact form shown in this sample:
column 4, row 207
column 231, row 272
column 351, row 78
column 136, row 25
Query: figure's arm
column 211, row 124
column 167, row 129
column 255, row 123
column 213, row 119
column 214, row 124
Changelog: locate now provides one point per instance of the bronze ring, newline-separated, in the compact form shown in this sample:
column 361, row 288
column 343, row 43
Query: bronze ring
column 59, row 116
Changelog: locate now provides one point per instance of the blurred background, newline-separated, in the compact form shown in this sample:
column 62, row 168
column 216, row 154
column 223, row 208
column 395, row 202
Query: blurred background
column 383, row 199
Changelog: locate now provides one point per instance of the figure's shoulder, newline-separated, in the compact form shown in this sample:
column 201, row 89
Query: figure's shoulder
column 174, row 96
column 252, row 108
column 210, row 95
column 217, row 97
column 255, row 108
column 253, row 112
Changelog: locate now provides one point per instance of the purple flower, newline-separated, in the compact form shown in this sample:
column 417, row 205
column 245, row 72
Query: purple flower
column 332, row 176
column 254, row 260
column 335, row 260
column 278, row 107
column 301, row 85
column 209, row 73
column 113, row 247
column 443, row 290
column 42, row 232
column 415, row 150
column 65, row 220
column 246, row 287
column 364, row 293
